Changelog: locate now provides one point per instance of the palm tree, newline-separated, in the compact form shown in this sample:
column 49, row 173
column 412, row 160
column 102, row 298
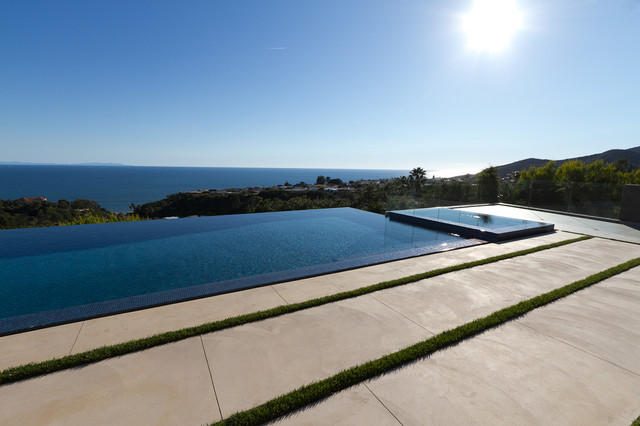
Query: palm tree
column 417, row 174
column 417, row 177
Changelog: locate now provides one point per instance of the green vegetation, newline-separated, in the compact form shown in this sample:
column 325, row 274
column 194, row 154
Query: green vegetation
column 594, row 188
column 216, row 203
column 14, row 374
column 27, row 213
column 316, row 391
column 488, row 184
column 93, row 218
column 636, row 422
column 36, row 212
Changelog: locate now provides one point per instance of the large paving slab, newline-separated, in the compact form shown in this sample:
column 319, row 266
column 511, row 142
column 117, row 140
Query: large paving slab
column 134, row 325
column 511, row 375
column 445, row 259
column 169, row 385
column 600, row 320
column 310, row 288
column 339, row 410
column 256, row 362
column 515, row 374
column 38, row 345
column 54, row 342
column 449, row 300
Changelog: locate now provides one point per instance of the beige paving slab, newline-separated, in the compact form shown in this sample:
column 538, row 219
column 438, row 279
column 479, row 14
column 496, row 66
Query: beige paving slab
column 626, row 284
column 449, row 300
column 169, row 385
column 598, row 320
column 456, row 257
column 310, row 288
column 256, row 362
column 138, row 324
column 356, row 407
column 314, row 287
column 37, row 345
column 509, row 375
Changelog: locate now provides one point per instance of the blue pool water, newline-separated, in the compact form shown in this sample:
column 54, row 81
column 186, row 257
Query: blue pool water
column 58, row 274
column 464, row 217
column 470, row 224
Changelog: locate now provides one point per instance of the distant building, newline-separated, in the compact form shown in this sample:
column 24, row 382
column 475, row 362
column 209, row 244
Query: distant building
column 32, row 199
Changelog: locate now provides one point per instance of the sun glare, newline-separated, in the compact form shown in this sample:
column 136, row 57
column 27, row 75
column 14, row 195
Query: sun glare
column 491, row 23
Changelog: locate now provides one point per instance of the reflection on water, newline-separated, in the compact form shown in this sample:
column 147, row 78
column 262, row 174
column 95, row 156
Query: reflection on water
column 401, row 234
column 485, row 218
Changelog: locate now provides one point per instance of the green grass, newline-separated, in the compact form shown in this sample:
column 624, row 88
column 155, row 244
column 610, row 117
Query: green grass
column 636, row 422
column 26, row 371
column 316, row 391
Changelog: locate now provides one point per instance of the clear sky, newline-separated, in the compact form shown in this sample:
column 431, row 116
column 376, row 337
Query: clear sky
column 392, row 84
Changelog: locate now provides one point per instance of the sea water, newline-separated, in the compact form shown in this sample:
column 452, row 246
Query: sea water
column 117, row 187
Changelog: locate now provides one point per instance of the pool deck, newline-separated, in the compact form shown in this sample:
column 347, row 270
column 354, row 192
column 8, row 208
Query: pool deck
column 576, row 361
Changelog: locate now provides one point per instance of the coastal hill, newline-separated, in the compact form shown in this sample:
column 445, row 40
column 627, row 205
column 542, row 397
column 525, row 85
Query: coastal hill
column 610, row 156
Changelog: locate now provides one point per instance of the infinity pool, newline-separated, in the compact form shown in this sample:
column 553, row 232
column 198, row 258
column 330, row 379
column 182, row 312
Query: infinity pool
column 60, row 274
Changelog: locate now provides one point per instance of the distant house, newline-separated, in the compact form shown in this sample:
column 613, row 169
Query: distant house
column 32, row 199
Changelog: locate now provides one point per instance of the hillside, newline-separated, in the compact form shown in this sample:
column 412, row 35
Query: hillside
column 610, row 156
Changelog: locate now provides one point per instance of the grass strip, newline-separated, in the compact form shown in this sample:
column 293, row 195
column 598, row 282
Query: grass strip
column 26, row 371
column 316, row 391
column 636, row 422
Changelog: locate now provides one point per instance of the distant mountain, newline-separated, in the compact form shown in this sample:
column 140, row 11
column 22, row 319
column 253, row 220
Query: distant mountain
column 97, row 164
column 611, row 156
column 21, row 163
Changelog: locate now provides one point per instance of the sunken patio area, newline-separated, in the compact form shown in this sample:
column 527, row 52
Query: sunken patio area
column 573, row 361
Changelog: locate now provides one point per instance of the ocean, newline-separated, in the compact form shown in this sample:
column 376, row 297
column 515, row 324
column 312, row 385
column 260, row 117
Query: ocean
column 117, row 187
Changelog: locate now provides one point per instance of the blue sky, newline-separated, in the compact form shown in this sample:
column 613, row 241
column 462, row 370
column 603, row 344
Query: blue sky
column 306, row 83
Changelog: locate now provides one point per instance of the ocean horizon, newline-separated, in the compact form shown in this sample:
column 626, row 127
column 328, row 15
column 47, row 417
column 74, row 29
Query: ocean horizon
column 116, row 187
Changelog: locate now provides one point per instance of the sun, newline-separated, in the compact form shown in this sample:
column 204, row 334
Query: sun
column 491, row 23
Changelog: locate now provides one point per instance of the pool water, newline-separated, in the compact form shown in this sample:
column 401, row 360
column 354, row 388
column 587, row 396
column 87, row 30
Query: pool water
column 470, row 224
column 59, row 274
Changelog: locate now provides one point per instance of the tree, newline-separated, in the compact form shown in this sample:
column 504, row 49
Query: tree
column 571, row 171
column 417, row 174
column 623, row 165
column 417, row 178
column 320, row 180
column 488, row 182
column 546, row 172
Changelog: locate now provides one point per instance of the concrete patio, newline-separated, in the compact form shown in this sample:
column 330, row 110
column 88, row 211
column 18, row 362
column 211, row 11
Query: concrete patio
column 576, row 361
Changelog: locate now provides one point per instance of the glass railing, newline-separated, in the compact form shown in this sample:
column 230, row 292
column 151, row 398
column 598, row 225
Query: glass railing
column 594, row 199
